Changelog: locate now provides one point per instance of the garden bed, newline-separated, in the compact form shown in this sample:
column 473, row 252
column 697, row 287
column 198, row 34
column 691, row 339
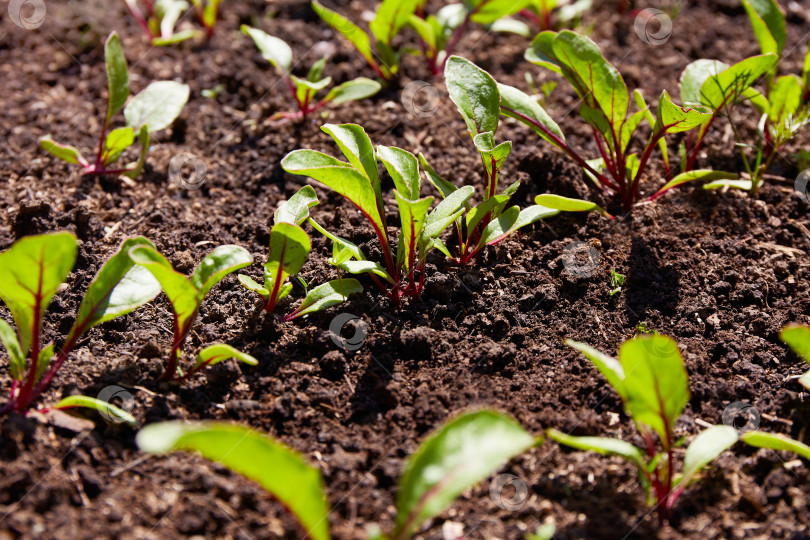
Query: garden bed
column 722, row 273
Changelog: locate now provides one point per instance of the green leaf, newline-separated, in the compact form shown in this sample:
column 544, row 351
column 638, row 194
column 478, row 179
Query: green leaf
column 157, row 106
column 656, row 384
column 340, row 177
column 210, row 12
column 513, row 219
column 745, row 185
column 463, row 452
column 350, row 31
column 16, row 358
column 691, row 176
column 63, row 152
column 168, row 12
column 289, row 250
column 475, row 93
column 31, row 271
column 391, row 17
column 354, row 90
column 327, row 295
column 768, row 22
column 250, row 284
column 672, row 118
column 610, row 368
column 403, row 168
column 176, row 37
column 567, row 204
column 363, row 267
column 219, row 352
column 446, row 212
column 107, row 410
column 412, row 214
column 296, row 209
column 785, row 101
column 119, row 288
column 522, row 107
column 693, row 78
column 357, row 148
column 277, row 468
column 181, row 293
column 137, row 167
column 510, row 26
column 797, row 337
column 222, row 261
column 602, row 445
column 705, row 448
column 492, row 156
column 117, row 75
column 272, row 49
column 489, row 11
column 776, row 441
column 116, row 142
column 305, row 90
column 722, row 90
column 444, row 187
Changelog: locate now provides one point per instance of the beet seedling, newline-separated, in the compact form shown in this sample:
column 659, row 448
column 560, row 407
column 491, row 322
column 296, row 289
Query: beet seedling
column 460, row 454
column 207, row 13
column 717, row 88
column 289, row 250
column 153, row 109
column 651, row 379
column 186, row 296
column 359, row 182
column 605, row 108
column 475, row 93
column 567, row 12
column 439, row 34
column 279, row 54
column 31, row 272
column 158, row 18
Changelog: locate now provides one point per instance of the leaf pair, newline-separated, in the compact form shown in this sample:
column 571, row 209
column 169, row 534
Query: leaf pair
column 289, row 250
column 650, row 377
column 186, row 296
column 460, row 454
column 31, row 272
column 153, row 109
column 279, row 54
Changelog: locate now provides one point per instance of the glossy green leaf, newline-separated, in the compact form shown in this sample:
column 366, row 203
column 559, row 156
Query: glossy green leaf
column 182, row 295
column 655, row 381
column 250, row 284
column 489, row 11
column 43, row 360
column 446, row 212
column 463, row 452
column 705, row 448
column 305, row 90
column 672, row 118
column 721, row 90
column 785, row 100
column 602, row 445
column 296, row 209
column 277, row 468
column 340, row 177
column 348, row 29
column 475, row 93
column 768, row 23
column 403, row 168
column 357, row 148
column 176, row 37
column 108, row 410
column 522, row 107
column 354, row 90
column 412, row 214
column 797, row 337
column 116, row 142
column 363, row 267
column 31, row 271
column 117, row 75
column 289, row 250
column 693, row 78
column 510, row 26
column 219, row 352
column 493, row 156
column 776, row 441
column 610, row 368
column 16, row 358
column 66, row 153
column 222, row 261
column 745, row 185
column 119, row 288
column 567, row 204
column 327, row 295
column 272, row 49
column 157, row 106
column 391, row 17
column 513, row 219
column 698, row 174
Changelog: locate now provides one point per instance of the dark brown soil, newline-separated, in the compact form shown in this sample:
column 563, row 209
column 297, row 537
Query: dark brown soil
column 720, row 272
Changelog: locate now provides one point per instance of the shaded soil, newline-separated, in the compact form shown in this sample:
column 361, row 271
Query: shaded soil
column 720, row 272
